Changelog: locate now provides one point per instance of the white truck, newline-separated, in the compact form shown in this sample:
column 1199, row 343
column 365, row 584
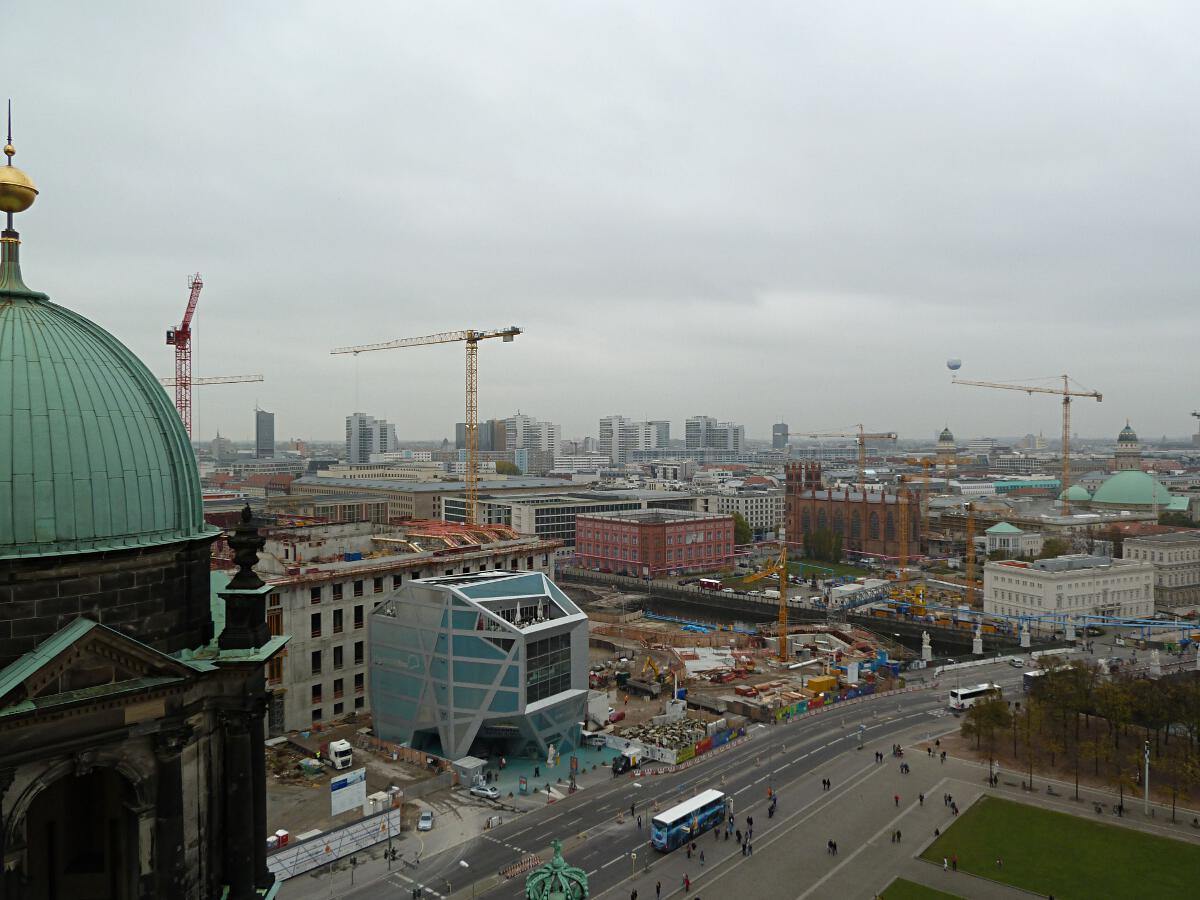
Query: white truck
column 341, row 754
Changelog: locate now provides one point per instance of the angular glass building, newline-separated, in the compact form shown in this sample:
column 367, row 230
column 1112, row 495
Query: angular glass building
column 493, row 663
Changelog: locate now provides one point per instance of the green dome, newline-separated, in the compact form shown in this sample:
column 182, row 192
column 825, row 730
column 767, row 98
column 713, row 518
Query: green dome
column 1127, row 435
column 1076, row 493
column 1131, row 488
column 946, row 437
column 93, row 455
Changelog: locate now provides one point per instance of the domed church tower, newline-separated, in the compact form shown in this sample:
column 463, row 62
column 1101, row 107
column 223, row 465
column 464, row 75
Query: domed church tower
column 1128, row 456
column 117, row 700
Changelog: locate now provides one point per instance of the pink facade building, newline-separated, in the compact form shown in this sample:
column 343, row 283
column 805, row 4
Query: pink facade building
column 654, row 541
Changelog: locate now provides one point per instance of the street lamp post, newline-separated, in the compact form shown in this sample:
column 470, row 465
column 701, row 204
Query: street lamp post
column 1146, row 779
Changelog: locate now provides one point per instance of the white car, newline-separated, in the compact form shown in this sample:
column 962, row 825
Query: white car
column 425, row 823
column 486, row 791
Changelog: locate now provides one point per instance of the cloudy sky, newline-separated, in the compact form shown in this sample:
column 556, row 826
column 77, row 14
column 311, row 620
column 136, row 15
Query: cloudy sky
column 747, row 211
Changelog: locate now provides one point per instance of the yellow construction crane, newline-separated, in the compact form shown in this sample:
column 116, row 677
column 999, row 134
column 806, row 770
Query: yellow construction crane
column 778, row 567
column 861, row 437
column 971, row 555
column 1066, row 393
column 902, row 500
column 926, row 463
column 472, row 339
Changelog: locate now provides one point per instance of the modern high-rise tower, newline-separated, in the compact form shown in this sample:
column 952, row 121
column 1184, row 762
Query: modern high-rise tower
column 366, row 435
column 264, row 434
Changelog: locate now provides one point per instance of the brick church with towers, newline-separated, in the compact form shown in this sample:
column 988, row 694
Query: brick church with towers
column 869, row 522
column 131, row 699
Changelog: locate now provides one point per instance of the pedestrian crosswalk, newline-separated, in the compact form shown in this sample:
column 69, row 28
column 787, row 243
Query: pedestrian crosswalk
column 400, row 880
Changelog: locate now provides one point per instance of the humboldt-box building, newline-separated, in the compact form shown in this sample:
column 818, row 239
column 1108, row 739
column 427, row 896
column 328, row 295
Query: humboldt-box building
column 493, row 663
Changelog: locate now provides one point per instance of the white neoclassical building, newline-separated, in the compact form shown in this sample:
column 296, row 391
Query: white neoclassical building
column 1074, row 585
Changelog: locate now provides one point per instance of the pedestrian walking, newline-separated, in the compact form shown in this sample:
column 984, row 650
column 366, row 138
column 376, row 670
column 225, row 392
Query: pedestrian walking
column 701, row 857
column 639, row 823
column 835, row 848
column 689, row 851
column 657, row 890
column 633, row 894
column 749, row 849
column 897, row 835
column 743, row 848
column 921, row 799
column 829, row 847
column 739, row 835
column 687, row 883
column 897, row 799
column 954, row 862
column 945, row 864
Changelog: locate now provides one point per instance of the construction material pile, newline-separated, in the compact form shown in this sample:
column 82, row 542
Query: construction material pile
column 673, row 735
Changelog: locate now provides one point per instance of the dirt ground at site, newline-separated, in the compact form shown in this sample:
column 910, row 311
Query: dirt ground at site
column 299, row 802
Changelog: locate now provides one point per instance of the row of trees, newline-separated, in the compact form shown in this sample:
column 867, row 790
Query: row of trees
column 824, row 545
column 1077, row 720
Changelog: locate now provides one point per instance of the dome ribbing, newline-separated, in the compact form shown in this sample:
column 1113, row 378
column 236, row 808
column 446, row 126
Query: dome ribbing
column 92, row 453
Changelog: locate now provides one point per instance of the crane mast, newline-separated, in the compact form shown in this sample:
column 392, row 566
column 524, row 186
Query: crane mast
column 1066, row 392
column 471, row 338
column 778, row 567
column 181, row 339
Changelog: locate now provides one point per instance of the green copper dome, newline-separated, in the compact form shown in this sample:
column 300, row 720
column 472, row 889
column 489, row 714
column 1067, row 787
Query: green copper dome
column 92, row 453
column 1127, row 435
column 1131, row 488
column 1076, row 493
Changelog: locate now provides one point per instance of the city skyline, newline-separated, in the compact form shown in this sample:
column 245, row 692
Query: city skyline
column 755, row 233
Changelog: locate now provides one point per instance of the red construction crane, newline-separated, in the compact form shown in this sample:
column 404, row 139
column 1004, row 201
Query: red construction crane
column 181, row 339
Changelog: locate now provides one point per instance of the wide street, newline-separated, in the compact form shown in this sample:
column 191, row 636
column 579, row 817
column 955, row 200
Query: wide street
column 791, row 759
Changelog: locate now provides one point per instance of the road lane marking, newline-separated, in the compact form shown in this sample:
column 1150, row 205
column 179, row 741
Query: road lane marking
column 615, row 859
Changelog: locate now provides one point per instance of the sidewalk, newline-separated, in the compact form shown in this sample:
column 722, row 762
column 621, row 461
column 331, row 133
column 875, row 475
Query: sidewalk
column 960, row 883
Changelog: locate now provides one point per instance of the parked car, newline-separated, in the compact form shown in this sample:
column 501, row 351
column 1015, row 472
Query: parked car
column 617, row 716
column 425, row 823
column 1017, row 663
column 486, row 791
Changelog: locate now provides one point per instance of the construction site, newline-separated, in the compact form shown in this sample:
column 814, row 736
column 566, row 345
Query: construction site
column 671, row 688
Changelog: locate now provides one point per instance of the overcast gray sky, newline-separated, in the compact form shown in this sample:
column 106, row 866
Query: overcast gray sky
column 742, row 210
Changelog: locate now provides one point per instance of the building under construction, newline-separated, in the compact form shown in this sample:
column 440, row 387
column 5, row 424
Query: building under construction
column 868, row 521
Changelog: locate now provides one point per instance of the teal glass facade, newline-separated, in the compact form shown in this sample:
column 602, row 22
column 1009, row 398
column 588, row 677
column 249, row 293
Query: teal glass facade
column 484, row 664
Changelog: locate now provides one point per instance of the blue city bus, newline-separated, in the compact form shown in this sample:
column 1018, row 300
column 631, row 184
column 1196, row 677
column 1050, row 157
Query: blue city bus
column 684, row 822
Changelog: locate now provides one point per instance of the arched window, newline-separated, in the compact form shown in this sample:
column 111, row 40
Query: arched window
column 822, row 520
column 873, row 526
column 856, row 526
column 805, row 522
column 889, row 528
column 839, row 522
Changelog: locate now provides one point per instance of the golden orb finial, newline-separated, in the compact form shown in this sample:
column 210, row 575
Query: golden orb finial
column 17, row 191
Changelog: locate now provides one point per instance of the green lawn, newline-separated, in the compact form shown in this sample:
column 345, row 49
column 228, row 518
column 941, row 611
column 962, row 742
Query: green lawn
column 902, row 889
column 1065, row 855
column 804, row 565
